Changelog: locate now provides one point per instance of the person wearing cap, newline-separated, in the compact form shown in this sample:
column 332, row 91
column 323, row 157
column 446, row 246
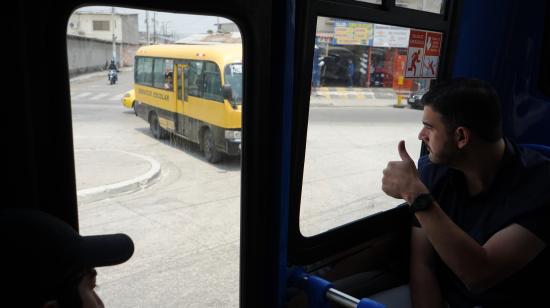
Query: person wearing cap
column 46, row 263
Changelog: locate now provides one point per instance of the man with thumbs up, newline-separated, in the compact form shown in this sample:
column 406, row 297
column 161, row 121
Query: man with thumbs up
column 480, row 205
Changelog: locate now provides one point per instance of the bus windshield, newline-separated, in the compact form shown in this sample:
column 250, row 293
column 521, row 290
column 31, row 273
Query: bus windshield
column 233, row 76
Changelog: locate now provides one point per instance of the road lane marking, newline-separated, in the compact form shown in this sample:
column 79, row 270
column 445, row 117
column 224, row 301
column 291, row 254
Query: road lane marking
column 81, row 95
column 117, row 97
column 100, row 95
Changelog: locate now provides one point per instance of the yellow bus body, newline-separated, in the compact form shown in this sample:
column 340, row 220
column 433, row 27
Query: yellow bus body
column 194, row 112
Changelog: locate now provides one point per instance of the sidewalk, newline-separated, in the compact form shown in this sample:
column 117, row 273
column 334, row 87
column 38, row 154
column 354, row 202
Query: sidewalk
column 356, row 97
column 106, row 173
column 102, row 74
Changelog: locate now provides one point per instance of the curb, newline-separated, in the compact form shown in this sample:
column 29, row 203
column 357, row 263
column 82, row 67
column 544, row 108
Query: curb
column 355, row 93
column 344, row 105
column 93, row 194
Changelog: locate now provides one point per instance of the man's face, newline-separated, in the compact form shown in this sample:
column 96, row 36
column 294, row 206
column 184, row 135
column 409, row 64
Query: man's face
column 437, row 138
column 86, row 289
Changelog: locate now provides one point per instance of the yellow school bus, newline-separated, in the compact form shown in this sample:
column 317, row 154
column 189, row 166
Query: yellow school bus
column 192, row 91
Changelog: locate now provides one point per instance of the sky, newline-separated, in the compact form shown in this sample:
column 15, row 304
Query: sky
column 181, row 24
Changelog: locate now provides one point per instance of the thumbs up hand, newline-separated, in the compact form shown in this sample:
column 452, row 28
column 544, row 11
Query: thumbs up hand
column 400, row 178
column 403, row 153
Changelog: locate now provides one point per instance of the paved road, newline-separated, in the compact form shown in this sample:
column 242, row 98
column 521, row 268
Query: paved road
column 186, row 224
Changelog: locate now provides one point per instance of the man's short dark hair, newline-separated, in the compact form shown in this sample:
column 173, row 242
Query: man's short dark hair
column 470, row 103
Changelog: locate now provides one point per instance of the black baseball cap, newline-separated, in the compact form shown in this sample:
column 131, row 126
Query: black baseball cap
column 43, row 253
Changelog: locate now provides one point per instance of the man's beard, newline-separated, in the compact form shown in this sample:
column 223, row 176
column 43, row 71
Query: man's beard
column 447, row 154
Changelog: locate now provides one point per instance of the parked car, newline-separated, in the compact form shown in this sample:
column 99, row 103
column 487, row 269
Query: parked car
column 415, row 100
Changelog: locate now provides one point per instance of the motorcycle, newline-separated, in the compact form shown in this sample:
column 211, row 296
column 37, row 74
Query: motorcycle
column 112, row 76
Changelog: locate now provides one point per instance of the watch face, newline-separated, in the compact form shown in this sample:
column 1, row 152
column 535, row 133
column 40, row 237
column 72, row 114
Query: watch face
column 422, row 202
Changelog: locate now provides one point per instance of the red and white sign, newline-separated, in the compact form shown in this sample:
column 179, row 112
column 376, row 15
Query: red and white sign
column 430, row 63
column 417, row 44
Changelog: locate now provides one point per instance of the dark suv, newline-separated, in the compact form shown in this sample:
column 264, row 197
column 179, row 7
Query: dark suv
column 415, row 100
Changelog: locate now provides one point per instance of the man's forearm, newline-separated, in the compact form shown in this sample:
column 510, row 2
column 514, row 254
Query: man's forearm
column 425, row 291
column 464, row 256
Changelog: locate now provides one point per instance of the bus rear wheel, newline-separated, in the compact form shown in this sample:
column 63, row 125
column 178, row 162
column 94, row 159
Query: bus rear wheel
column 157, row 131
column 209, row 147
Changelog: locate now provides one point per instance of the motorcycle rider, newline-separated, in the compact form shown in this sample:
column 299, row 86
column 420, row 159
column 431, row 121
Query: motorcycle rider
column 112, row 66
column 113, row 70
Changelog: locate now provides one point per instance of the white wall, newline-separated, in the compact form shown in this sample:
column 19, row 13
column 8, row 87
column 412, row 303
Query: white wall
column 87, row 55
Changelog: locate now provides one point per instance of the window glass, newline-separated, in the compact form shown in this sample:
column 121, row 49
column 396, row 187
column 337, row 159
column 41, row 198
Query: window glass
column 362, row 103
column 210, row 67
column 212, row 82
column 101, row 25
column 159, row 73
column 169, row 75
column 233, row 76
column 135, row 176
column 432, row 6
column 195, row 78
column 144, row 74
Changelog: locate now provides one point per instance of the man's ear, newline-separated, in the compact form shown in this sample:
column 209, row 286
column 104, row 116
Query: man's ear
column 51, row 304
column 462, row 137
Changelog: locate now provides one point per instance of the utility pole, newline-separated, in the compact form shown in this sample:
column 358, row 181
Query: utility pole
column 147, row 26
column 113, row 27
column 154, row 27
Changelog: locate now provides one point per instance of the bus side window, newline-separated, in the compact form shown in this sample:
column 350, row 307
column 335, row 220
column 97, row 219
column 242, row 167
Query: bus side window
column 144, row 74
column 169, row 75
column 212, row 86
column 194, row 79
column 158, row 73
column 212, row 82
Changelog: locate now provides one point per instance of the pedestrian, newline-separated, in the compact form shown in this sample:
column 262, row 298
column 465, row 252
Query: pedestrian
column 316, row 73
column 351, row 71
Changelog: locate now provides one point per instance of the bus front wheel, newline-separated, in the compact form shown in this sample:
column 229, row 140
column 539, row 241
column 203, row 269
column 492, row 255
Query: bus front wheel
column 209, row 147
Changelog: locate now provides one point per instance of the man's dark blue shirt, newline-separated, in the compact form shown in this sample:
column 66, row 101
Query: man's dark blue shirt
column 519, row 194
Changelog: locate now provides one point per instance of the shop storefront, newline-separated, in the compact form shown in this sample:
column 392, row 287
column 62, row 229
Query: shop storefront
column 361, row 55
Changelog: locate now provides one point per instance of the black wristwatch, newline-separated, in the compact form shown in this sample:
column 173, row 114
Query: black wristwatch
column 421, row 203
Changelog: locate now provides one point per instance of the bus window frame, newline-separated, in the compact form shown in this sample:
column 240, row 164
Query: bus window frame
column 179, row 80
column 305, row 250
column 544, row 81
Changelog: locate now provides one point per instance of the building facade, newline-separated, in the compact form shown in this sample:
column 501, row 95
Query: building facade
column 102, row 37
column 102, row 26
